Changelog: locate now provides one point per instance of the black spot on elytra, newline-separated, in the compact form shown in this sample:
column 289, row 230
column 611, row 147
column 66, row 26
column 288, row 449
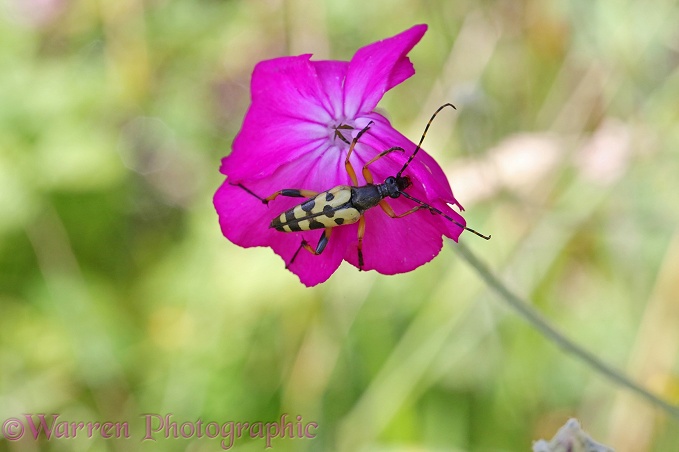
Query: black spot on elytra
column 313, row 224
column 309, row 205
column 339, row 221
column 328, row 212
column 289, row 216
column 276, row 223
column 329, row 196
column 294, row 226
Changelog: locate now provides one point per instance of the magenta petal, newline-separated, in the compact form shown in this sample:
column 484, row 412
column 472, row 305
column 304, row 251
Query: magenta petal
column 245, row 220
column 423, row 168
column 403, row 69
column 428, row 180
column 378, row 67
column 311, row 269
column 261, row 148
column 332, row 75
column 289, row 117
column 397, row 245
column 450, row 229
column 290, row 86
column 289, row 140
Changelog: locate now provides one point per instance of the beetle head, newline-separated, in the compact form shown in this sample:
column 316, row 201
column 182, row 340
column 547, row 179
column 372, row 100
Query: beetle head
column 395, row 185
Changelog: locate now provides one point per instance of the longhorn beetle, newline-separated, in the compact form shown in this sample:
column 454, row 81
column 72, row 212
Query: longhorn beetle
column 346, row 204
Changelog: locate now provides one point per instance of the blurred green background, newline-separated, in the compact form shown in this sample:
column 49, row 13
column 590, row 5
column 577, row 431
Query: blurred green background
column 119, row 296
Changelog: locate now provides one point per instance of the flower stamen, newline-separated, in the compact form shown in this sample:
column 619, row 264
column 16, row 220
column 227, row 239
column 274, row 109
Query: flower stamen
column 339, row 135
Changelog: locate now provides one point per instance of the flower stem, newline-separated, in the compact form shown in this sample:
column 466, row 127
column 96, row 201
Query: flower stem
column 534, row 318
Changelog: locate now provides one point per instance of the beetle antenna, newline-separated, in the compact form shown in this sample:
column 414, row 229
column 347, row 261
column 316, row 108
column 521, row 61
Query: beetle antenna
column 433, row 209
column 422, row 138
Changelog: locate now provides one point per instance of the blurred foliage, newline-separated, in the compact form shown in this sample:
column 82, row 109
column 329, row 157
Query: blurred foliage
column 120, row 297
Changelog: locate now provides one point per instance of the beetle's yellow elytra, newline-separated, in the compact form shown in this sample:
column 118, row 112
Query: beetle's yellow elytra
column 326, row 210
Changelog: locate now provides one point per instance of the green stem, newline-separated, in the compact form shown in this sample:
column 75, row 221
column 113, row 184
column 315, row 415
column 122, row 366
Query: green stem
column 536, row 320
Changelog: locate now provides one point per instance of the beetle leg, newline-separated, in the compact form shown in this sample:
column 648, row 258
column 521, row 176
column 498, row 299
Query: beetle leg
column 367, row 175
column 294, row 256
column 264, row 201
column 322, row 243
column 347, row 163
column 292, row 193
column 361, row 233
column 389, row 211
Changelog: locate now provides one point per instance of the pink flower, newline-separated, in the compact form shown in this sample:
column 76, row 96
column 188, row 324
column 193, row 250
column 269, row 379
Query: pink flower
column 296, row 135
